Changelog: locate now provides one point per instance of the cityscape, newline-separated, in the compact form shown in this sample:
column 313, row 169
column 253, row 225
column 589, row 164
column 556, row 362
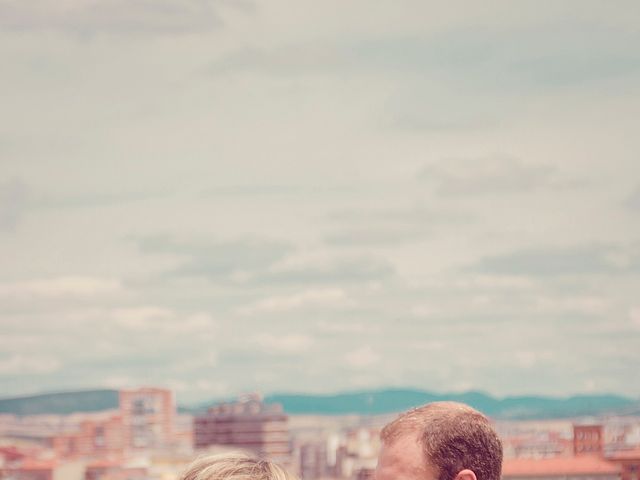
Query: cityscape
column 148, row 438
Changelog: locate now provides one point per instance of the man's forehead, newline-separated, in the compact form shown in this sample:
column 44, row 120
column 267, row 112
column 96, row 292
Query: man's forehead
column 404, row 457
column 406, row 440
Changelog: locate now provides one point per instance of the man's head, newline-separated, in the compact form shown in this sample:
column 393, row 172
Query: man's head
column 440, row 441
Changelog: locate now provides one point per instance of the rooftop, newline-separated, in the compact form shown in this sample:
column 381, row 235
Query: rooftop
column 560, row 466
column 626, row 454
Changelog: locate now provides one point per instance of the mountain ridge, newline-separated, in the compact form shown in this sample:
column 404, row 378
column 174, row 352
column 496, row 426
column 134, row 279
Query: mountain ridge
column 363, row 402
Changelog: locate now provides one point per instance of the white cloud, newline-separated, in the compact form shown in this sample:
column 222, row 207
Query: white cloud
column 120, row 381
column 290, row 343
column 13, row 197
column 362, row 357
column 426, row 345
column 590, row 385
column 343, row 327
column 487, row 176
column 365, row 380
column 20, row 342
column 313, row 298
column 198, row 322
column 212, row 388
column 526, row 359
column 141, row 318
column 162, row 320
column 195, row 362
column 66, row 286
column 29, row 364
column 585, row 304
column 423, row 310
column 565, row 260
column 498, row 282
column 633, row 201
column 634, row 316
column 113, row 16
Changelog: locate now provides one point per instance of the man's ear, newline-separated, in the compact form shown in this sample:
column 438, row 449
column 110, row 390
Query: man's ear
column 466, row 474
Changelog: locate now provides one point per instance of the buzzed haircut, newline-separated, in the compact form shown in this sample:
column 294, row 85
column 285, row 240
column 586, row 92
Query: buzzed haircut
column 453, row 437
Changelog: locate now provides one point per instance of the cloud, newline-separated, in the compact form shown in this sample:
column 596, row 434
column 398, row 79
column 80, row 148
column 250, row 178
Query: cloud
column 576, row 260
column 213, row 389
column 17, row 198
column 383, row 227
column 460, row 78
column 399, row 216
column 418, row 118
column 480, row 282
column 68, row 286
column 162, row 320
column 218, row 260
column 487, row 175
column 474, row 57
column 528, row 359
column 283, row 60
column 196, row 362
column 95, row 199
column 362, row 357
column 141, row 318
column 119, row 381
column 348, row 328
column 19, row 342
column 74, row 349
column 116, row 16
column 31, row 364
column 343, row 270
column 314, row 298
column 13, row 200
column 289, row 343
column 633, row 201
column 279, row 190
column 374, row 236
column 585, row 305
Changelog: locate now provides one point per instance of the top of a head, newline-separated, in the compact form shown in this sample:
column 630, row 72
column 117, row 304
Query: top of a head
column 234, row 466
column 453, row 436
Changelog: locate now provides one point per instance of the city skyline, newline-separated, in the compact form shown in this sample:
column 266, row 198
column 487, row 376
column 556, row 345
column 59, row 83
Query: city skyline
column 220, row 197
column 145, row 435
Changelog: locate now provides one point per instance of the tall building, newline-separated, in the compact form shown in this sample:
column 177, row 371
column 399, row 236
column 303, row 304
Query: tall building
column 248, row 424
column 147, row 417
column 313, row 460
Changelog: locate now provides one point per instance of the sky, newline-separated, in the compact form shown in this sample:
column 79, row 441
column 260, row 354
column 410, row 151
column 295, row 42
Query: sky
column 223, row 196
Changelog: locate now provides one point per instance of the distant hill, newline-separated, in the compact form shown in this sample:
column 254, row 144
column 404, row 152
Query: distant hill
column 395, row 400
column 61, row 403
column 374, row 402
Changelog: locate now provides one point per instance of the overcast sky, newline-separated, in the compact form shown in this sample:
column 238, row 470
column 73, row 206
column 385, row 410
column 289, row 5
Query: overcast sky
column 225, row 196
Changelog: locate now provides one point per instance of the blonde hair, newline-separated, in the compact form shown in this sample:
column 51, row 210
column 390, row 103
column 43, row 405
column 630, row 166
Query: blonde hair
column 234, row 466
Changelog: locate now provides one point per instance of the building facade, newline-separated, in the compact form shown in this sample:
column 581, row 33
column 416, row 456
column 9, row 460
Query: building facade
column 588, row 440
column 147, row 417
column 248, row 424
column 92, row 438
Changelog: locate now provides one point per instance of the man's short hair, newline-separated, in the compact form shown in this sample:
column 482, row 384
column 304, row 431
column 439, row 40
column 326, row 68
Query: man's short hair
column 453, row 437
